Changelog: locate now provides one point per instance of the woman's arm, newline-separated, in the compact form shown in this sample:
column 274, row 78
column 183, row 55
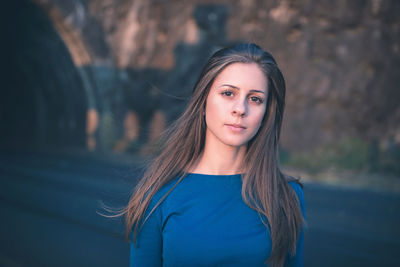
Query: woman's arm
column 148, row 250
column 297, row 259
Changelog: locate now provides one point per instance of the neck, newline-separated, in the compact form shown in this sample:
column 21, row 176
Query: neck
column 220, row 159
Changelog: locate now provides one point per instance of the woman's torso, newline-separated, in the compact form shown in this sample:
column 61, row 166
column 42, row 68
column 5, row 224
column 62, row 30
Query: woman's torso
column 205, row 222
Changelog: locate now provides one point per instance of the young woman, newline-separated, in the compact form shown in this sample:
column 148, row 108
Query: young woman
column 215, row 195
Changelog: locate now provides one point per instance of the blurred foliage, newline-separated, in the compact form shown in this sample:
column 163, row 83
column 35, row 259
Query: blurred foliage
column 348, row 154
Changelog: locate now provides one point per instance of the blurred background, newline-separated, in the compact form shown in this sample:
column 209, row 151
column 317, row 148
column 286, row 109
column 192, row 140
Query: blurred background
column 90, row 85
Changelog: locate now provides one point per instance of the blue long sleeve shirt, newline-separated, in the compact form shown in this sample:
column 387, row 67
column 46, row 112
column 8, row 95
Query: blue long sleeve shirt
column 205, row 222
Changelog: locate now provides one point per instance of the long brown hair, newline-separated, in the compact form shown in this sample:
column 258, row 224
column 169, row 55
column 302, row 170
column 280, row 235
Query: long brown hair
column 264, row 187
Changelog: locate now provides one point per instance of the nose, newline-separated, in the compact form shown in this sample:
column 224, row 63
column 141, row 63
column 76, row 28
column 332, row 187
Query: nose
column 239, row 108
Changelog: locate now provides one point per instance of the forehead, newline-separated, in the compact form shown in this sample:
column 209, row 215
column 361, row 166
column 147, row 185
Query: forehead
column 242, row 75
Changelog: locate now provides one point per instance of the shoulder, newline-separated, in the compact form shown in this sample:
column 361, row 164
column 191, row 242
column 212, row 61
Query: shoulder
column 164, row 190
column 298, row 189
column 171, row 190
column 295, row 184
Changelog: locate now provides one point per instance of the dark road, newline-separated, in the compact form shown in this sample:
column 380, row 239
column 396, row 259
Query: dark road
column 50, row 207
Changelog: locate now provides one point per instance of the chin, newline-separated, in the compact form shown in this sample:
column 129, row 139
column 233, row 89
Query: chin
column 236, row 143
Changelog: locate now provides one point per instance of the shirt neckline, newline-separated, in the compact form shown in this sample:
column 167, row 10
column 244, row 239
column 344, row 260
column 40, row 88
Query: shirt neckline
column 214, row 175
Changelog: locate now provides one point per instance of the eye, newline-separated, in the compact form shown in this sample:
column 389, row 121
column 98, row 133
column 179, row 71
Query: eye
column 256, row 99
column 227, row 93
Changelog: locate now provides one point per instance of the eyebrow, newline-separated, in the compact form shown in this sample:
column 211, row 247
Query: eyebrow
column 235, row 87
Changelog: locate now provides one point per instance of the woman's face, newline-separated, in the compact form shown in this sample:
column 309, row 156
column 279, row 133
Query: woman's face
column 236, row 104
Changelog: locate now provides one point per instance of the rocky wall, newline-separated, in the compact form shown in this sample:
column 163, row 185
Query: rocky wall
column 139, row 59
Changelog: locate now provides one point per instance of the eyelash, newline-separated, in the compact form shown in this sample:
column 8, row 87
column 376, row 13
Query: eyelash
column 227, row 93
column 255, row 99
column 258, row 100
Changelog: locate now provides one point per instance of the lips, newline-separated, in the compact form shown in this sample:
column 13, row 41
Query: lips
column 236, row 127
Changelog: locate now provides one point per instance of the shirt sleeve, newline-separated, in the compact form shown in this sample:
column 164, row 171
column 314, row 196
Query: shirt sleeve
column 148, row 250
column 297, row 259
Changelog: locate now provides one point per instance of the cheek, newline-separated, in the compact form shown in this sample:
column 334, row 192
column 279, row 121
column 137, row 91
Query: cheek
column 213, row 110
